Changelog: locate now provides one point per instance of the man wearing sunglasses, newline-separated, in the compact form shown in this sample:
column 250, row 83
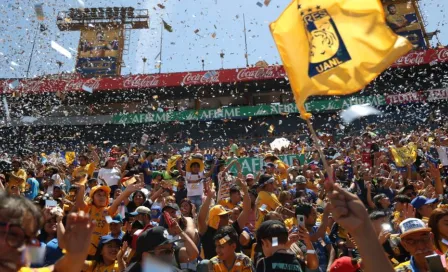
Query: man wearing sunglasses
column 20, row 221
column 418, row 240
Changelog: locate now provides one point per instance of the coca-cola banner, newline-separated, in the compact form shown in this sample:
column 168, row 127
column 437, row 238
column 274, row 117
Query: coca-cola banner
column 76, row 83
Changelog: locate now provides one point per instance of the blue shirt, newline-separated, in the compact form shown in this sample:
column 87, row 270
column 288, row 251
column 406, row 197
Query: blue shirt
column 32, row 188
column 52, row 252
column 321, row 250
column 148, row 178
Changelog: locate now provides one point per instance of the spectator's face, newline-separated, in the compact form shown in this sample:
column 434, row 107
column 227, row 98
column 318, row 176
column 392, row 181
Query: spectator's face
column 115, row 228
column 225, row 251
column 171, row 212
column 250, row 182
column 100, row 198
column 110, row 251
column 164, row 253
column 185, row 208
column 419, row 244
column 442, row 226
column 12, row 238
column 14, row 191
column 410, row 193
column 235, row 197
column 195, row 168
column 117, row 193
column 224, row 220
column 57, row 192
column 425, row 210
column 138, row 199
column 310, row 220
column 50, row 226
column 15, row 166
column 82, row 161
column 392, row 9
column 385, row 202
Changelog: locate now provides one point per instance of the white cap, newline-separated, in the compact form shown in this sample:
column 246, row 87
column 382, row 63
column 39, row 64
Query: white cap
column 412, row 225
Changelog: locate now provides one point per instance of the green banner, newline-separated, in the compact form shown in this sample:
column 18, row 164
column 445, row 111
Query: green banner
column 246, row 111
column 253, row 165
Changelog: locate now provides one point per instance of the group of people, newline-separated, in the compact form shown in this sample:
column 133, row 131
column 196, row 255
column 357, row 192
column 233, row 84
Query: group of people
column 370, row 203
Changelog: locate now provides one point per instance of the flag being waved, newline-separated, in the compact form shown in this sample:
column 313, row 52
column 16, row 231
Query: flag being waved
column 334, row 47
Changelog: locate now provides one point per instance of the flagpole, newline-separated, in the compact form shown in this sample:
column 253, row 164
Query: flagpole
column 32, row 50
column 161, row 45
column 319, row 149
column 246, row 56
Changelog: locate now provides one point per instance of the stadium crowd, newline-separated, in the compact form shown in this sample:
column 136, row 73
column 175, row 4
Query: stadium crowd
column 376, row 203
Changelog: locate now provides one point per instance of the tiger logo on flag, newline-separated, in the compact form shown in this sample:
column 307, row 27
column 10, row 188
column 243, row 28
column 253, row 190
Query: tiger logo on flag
column 327, row 49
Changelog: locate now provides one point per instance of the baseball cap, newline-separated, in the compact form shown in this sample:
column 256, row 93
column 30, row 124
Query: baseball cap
column 104, row 188
column 265, row 179
column 271, row 228
column 293, row 168
column 218, row 210
column 117, row 219
column 143, row 210
column 171, row 205
column 108, row 238
column 419, row 201
column 152, row 238
column 412, row 225
column 345, row 264
column 300, row 180
column 250, row 176
column 270, row 164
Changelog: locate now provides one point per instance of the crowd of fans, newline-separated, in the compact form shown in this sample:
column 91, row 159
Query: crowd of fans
column 371, row 205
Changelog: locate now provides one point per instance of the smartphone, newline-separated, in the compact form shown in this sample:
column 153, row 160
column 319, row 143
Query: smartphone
column 50, row 203
column 168, row 219
column 301, row 220
column 386, row 227
column 263, row 207
column 435, row 262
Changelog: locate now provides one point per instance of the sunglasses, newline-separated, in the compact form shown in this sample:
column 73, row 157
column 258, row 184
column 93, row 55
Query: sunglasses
column 15, row 236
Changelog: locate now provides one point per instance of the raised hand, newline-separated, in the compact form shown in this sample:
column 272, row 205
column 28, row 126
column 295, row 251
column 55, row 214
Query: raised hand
column 408, row 211
column 78, row 232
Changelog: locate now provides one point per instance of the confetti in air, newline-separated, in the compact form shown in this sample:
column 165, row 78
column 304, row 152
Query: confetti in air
column 358, row 111
column 61, row 49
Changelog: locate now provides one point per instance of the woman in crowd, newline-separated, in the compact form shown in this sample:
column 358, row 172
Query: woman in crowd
column 438, row 222
column 106, row 256
column 110, row 174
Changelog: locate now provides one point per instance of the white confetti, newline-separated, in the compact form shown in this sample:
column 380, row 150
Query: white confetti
column 357, row 111
column 81, row 3
column 14, row 84
column 61, row 49
column 13, row 63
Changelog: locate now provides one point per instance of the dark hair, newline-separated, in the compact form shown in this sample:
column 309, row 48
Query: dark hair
column 402, row 199
column 195, row 164
column 433, row 222
column 98, row 258
column 139, row 192
column 389, row 6
column 17, row 209
column 92, row 180
column 137, row 225
column 377, row 198
column 377, row 215
column 226, row 231
column 304, row 209
column 234, row 189
column 273, row 228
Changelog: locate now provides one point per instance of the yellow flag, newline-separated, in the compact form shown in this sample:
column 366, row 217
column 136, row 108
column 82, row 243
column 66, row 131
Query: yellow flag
column 70, row 157
column 405, row 155
column 334, row 47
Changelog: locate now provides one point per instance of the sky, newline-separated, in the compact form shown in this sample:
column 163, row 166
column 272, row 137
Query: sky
column 182, row 49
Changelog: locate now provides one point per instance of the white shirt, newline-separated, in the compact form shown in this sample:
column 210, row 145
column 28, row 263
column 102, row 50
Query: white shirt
column 194, row 188
column 111, row 176
column 443, row 154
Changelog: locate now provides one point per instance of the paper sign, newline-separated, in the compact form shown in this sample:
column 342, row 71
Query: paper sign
column 50, row 203
column 130, row 181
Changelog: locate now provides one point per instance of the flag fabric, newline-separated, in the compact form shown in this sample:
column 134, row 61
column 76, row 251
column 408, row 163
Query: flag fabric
column 405, row 155
column 70, row 157
column 38, row 8
column 331, row 47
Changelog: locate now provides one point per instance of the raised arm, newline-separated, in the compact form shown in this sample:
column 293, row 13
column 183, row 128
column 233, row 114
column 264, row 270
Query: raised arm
column 126, row 194
column 80, row 205
column 323, row 225
column 242, row 219
column 203, row 212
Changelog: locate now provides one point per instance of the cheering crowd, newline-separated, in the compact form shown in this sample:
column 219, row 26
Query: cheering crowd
column 376, row 202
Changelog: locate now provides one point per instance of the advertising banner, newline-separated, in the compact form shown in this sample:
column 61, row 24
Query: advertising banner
column 99, row 51
column 253, row 165
column 403, row 19
column 246, row 111
column 75, row 83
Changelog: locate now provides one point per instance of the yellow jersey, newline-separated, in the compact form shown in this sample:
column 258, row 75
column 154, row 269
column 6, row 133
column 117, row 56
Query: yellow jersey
column 96, row 267
column 43, row 269
column 242, row 264
column 98, row 215
column 271, row 202
column 227, row 204
column 20, row 181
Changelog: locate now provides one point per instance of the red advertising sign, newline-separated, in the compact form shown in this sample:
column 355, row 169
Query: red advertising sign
column 405, row 98
column 76, row 83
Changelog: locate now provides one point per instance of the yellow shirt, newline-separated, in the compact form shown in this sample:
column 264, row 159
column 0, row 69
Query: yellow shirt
column 396, row 19
column 94, row 267
column 98, row 215
column 242, row 264
column 27, row 269
column 271, row 202
column 20, row 181
column 83, row 170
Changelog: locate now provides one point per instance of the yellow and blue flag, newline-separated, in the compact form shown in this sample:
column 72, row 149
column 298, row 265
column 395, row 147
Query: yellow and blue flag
column 334, row 47
column 405, row 155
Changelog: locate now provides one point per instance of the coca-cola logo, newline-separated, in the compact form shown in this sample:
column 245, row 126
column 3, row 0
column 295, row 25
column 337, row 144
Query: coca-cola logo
column 413, row 58
column 442, row 55
column 261, row 73
column 199, row 78
column 141, row 81
column 77, row 84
